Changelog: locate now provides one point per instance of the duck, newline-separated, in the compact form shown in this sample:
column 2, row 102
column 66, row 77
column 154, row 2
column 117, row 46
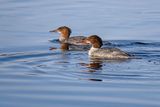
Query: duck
column 64, row 37
column 108, row 53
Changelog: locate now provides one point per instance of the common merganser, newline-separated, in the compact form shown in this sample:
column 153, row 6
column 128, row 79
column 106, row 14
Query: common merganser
column 64, row 37
column 98, row 52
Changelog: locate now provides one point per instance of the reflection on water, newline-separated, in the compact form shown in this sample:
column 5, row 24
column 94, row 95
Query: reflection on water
column 93, row 66
column 96, row 64
column 71, row 47
column 63, row 47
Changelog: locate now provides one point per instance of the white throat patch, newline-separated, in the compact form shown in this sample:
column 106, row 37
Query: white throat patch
column 62, row 39
column 92, row 50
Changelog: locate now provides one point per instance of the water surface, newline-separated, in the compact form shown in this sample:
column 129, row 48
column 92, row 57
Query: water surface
column 32, row 75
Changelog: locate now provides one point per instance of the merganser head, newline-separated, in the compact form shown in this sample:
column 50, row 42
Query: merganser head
column 64, row 32
column 95, row 40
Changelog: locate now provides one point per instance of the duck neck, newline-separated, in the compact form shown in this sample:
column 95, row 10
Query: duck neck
column 92, row 49
column 63, row 38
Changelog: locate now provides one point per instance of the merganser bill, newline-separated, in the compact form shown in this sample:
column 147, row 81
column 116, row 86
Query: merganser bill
column 98, row 52
column 64, row 37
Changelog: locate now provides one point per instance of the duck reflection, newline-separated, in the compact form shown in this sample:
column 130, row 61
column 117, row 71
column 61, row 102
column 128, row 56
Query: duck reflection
column 93, row 65
column 71, row 47
column 96, row 64
column 63, row 47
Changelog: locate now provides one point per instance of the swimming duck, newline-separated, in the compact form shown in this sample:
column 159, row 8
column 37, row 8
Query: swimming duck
column 98, row 52
column 64, row 37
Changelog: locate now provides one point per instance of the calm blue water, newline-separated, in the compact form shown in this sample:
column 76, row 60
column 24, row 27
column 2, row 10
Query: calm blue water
column 31, row 75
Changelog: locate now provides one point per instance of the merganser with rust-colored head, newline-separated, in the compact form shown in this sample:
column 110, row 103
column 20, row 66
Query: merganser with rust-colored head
column 64, row 37
column 108, row 53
